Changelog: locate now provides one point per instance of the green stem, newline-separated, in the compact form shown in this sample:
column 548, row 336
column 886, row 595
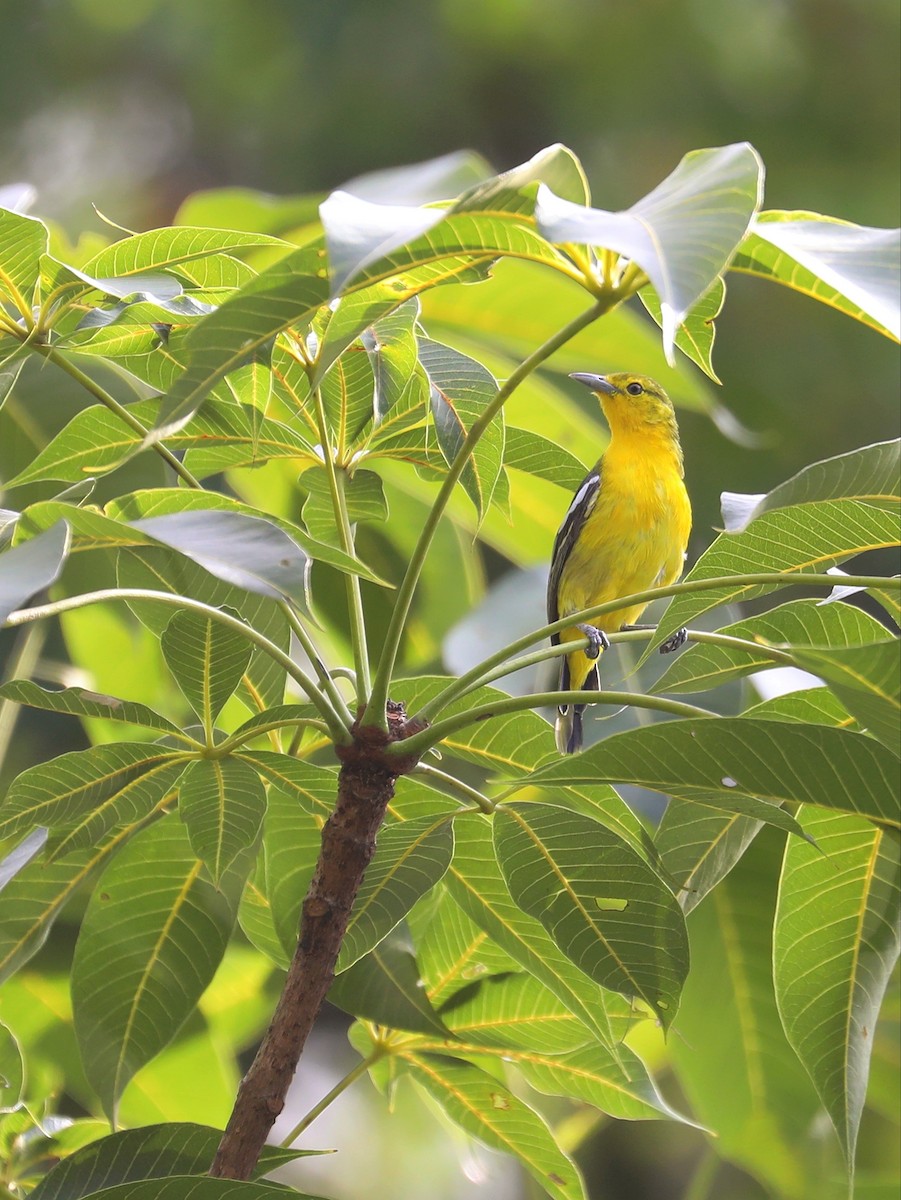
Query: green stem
column 450, row 783
column 325, row 677
column 340, row 1087
column 338, row 731
column 122, row 411
column 475, row 676
column 420, row 742
column 21, row 663
column 375, row 709
column 237, row 739
column 336, row 483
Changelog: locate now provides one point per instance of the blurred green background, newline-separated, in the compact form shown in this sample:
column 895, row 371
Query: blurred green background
column 131, row 105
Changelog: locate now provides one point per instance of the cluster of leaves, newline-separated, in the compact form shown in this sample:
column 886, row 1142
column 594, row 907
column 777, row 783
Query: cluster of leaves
column 542, row 931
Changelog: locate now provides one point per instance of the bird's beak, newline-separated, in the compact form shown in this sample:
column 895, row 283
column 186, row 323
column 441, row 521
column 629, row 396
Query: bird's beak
column 597, row 383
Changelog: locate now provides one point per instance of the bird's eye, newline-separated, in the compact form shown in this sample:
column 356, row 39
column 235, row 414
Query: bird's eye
column 634, row 389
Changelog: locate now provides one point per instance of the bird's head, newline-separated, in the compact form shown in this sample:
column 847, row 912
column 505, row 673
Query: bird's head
column 630, row 401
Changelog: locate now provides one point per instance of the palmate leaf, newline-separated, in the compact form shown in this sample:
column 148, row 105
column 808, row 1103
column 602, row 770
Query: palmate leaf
column 99, row 784
column 776, row 761
column 222, row 803
column 207, row 660
column 490, row 1112
column 152, row 937
column 384, row 986
column 475, row 882
column 80, row 702
column 805, row 537
column 411, row 857
column 460, row 391
column 96, row 441
column 799, row 623
column 31, row 567
column 853, row 268
column 870, row 474
column 683, row 234
column 599, row 901
column 152, row 1152
column 837, row 938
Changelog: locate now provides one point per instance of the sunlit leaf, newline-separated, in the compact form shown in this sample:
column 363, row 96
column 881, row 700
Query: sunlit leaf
column 22, row 242
column 222, row 803
column 207, row 660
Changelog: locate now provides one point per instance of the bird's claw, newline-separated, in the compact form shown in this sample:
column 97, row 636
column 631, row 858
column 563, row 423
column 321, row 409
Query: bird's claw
column 597, row 640
column 679, row 638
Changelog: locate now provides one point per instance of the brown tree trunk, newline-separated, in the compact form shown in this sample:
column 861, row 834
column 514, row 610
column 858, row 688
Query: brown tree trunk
column 365, row 788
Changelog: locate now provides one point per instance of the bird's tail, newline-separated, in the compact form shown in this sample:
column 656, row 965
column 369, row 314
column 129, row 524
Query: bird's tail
column 568, row 726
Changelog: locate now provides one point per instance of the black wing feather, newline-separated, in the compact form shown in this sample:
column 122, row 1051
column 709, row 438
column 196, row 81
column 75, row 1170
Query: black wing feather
column 567, row 536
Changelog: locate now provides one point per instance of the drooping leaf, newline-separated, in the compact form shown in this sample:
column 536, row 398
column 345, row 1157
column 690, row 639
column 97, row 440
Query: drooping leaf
column 207, row 660
column 599, row 901
column 775, row 761
column 153, row 935
column 384, row 986
column 853, row 268
column 490, row 1112
column 410, row 858
column 364, row 498
column 31, row 567
column 837, row 938
column 683, row 234
column 696, row 332
column 222, row 803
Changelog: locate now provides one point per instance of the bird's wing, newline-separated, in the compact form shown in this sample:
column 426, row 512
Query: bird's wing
column 567, row 536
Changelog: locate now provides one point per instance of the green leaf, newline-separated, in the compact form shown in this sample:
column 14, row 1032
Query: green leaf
column 222, row 802
column 475, row 881
column 853, row 268
column 247, row 552
column 224, row 435
column 192, row 1187
column 80, row 702
column 599, row 901
column 153, row 1152
column 152, row 937
column 540, row 457
column 22, row 242
column 384, row 986
column 776, row 761
column 284, row 294
column 12, row 360
column 513, row 1010
column 96, row 788
column 867, row 680
column 808, row 537
column 870, row 474
column 696, row 333
column 460, row 391
column 728, row 1050
column 12, row 1071
column 30, row 567
column 837, row 939
column 800, row 623
column 410, row 858
column 698, row 847
column 683, row 234
column 521, row 741
column 490, row 1112
column 162, row 249
column 207, row 660
column 364, row 497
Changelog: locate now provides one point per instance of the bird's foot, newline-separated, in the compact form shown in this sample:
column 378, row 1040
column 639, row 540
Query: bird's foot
column 597, row 640
column 679, row 638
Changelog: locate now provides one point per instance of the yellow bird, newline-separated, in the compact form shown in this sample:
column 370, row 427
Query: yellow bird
column 626, row 531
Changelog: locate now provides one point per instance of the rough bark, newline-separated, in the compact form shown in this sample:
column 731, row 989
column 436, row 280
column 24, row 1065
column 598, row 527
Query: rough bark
column 365, row 788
